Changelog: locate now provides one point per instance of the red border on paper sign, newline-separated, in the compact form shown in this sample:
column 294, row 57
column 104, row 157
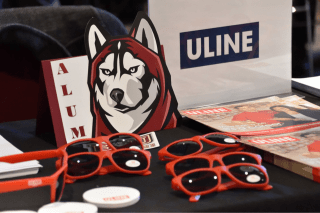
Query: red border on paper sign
column 53, row 103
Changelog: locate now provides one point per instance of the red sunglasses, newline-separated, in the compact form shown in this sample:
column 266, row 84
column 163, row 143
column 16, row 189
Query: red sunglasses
column 223, row 143
column 203, row 181
column 55, row 181
column 188, row 163
column 85, row 156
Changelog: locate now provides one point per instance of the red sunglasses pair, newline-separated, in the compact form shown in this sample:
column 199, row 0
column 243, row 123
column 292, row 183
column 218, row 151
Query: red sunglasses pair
column 55, row 181
column 223, row 143
column 123, row 150
column 200, row 175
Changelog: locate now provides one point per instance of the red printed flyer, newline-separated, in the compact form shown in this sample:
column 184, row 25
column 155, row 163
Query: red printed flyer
column 266, row 116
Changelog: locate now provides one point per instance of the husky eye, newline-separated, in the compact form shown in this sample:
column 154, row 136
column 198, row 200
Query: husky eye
column 105, row 71
column 133, row 69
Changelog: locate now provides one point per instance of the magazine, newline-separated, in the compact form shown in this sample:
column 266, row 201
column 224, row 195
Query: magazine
column 266, row 116
column 298, row 152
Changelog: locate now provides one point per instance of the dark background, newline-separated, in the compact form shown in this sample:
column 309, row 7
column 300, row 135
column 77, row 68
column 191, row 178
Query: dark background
column 304, row 63
column 126, row 11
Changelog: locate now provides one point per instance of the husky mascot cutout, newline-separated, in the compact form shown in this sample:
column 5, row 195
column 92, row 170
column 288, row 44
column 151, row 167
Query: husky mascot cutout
column 129, row 82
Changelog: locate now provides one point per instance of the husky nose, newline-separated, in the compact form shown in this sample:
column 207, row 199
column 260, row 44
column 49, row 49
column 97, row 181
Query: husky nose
column 117, row 95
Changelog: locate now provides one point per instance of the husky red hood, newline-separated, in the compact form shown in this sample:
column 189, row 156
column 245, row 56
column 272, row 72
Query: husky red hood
column 163, row 116
column 156, row 109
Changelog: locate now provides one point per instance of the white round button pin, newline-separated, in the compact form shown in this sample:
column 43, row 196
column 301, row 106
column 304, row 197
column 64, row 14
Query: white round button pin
column 112, row 196
column 67, row 207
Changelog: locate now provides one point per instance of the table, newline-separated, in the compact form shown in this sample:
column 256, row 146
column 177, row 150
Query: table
column 290, row 192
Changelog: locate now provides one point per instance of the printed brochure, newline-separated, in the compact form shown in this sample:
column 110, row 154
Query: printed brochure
column 298, row 152
column 266, row 116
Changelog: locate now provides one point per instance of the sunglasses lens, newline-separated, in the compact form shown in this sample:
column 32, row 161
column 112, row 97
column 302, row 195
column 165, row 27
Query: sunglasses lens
column 189, row 164
column 125, row 141
column 83, row 146
column 82, row 165
column 59, row 186
column 200, row 181
column 183, row 148
column 238, row 158
column 130, row 160
column 248, row 174
column 222, row 139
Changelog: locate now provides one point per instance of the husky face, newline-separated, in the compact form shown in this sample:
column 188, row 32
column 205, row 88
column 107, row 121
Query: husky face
column 120, row 80
column 128, row 80
column 124, row 89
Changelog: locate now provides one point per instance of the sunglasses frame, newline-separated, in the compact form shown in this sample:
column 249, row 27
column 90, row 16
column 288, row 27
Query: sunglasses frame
column 106, row 154
column 164, row 155
column 30, row 183
column 105, row 139
column 211, row 159
column 177, row 185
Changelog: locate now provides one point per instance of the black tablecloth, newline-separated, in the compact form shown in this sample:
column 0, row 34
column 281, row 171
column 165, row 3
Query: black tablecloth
column 290, row 192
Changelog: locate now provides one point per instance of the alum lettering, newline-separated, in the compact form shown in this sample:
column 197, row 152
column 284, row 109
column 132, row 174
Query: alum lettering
column 71, row 110
column 219, row 45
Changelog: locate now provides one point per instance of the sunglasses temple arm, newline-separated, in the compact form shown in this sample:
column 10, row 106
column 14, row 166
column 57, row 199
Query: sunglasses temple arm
column 108, row 169
column 111, row 169
column 227, row 186
column 222, row 150
column 267, row 187
column 23, row 184
column 213, row 151
column 69, row 181
column 240, row 148
column 232, row 184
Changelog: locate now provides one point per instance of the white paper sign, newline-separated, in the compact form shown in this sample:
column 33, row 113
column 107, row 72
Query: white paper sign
column 70, row 77
column 223, row 51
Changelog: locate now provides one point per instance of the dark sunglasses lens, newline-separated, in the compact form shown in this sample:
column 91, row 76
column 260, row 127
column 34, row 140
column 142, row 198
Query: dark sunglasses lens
column 238, row 158
column 183, row 148
column 222, row 139
column 189, row 164
column 83, row 146
column 59, row 186
column 82, row 165
column 125, row 141
column 200, row 181
column 248, row 174
column 130, row 160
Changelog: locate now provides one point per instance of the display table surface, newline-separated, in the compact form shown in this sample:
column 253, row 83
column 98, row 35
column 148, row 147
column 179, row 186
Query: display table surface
column 290, row 192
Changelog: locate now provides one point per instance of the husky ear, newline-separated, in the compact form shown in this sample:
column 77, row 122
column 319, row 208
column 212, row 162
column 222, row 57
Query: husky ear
column 144, row 31
column 95, row 36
